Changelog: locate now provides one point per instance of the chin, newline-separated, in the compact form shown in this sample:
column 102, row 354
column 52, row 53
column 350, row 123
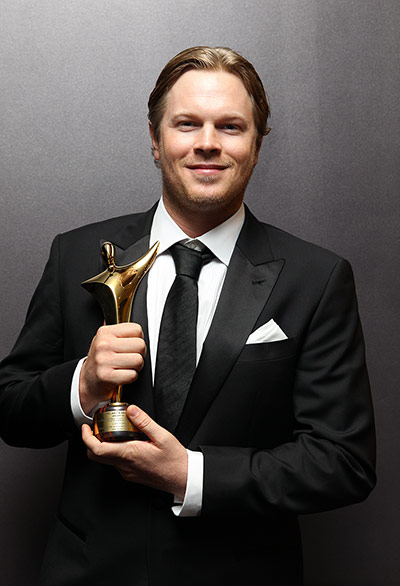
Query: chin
column 211, row 201
column 213, row 205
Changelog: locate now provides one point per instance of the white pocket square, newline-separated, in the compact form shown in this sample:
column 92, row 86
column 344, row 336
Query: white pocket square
column 269, row 332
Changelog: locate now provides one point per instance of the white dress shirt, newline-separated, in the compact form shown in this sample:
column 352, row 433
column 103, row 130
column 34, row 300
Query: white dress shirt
column 221, row 241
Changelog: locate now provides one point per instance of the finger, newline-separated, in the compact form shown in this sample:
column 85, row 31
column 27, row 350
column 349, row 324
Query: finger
column 124, row 330
column 89, row 439
column 129, row 345
column 121, row 376
column 124, row 361
column 145, row 423
column 94, row 446
column 103, row 452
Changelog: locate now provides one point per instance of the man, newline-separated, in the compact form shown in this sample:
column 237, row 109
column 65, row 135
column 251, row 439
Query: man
column 277, row 420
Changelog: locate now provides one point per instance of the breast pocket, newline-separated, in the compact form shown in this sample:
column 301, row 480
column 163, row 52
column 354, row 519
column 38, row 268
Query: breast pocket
column 269, row 351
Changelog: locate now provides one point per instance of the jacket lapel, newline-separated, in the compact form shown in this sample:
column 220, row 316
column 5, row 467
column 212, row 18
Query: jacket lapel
column 250, row 279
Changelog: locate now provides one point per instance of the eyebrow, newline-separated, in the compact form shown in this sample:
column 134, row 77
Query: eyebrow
column 224, row 116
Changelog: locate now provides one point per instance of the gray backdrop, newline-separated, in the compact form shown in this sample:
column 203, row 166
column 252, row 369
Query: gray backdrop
column 75, row 77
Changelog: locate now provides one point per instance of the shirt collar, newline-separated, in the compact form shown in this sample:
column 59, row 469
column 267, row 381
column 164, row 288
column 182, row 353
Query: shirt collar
column 220, row 240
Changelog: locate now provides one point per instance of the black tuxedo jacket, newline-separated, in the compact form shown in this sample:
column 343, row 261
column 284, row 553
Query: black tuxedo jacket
column 286, row 427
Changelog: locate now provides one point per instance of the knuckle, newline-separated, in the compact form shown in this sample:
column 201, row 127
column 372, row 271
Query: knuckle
column 102, row 344
column 102, row 331
column 141, row 347
column 139, row 362
column 97, row 451
column 100, row 368
column 143, row 421
column 138, row 330
column 103, row 373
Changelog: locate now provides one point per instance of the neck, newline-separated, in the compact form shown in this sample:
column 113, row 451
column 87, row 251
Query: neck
column 198, row 221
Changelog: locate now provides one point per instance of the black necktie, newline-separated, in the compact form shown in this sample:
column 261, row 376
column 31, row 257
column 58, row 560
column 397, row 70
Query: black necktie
column 176, row 352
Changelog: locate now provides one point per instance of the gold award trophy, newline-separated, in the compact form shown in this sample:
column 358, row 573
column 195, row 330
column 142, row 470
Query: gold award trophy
column 114, row 289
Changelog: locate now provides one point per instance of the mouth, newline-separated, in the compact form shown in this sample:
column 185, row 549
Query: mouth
column 207, row 168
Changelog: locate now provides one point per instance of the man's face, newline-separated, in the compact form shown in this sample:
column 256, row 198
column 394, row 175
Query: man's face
column 207, row 148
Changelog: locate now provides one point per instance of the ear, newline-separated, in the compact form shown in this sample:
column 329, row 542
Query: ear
column 154, row 143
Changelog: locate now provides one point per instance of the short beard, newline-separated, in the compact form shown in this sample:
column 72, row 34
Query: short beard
column 218, row 205
column 195, row 203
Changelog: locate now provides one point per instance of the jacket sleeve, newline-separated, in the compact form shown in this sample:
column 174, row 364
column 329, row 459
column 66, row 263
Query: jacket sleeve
column 330, row 461
column 34, row 379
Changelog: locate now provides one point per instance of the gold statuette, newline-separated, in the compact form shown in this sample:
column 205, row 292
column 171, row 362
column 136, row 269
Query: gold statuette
column 114, row 289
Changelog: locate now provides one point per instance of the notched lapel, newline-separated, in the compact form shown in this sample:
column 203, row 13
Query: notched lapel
column 245, row 292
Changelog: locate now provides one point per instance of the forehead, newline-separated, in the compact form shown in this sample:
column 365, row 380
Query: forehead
column 207, row 90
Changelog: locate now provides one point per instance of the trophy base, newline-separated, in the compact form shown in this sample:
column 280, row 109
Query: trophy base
column 111, row 424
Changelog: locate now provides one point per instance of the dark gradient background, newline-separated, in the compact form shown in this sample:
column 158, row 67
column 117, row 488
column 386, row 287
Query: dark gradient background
column 75, row 77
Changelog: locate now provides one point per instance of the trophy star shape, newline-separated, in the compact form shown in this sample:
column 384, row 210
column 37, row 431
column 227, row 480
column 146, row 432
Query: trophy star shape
column 114, row 289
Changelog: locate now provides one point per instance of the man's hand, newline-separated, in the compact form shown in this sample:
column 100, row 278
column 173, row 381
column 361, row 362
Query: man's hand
column 160, row 463
column 116, row 356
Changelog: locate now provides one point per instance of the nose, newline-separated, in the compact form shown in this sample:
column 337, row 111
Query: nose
column 207, row 140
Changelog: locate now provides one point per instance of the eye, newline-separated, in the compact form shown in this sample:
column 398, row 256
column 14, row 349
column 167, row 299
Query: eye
column 230, row 127
column 186, row 124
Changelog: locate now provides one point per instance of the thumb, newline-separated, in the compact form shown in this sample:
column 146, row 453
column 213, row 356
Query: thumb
column 145, row 423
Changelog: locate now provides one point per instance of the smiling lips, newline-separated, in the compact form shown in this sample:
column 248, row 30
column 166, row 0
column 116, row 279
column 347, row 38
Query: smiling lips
column 207, row 168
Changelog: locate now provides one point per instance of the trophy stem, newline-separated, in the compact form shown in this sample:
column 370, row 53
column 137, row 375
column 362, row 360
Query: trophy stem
column 116, row 396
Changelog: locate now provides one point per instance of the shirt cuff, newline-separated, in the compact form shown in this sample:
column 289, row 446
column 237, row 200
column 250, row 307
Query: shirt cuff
column 78, row 413
column 191, row 506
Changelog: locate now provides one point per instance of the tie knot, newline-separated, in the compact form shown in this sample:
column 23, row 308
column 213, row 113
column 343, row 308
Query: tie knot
column 189, row 261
